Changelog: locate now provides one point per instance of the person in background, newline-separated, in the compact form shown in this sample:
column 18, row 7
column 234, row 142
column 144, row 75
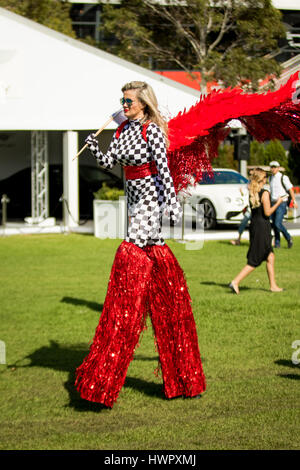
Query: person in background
column 260, row 248
column 242, row 227
column 280, row 186
column 243, row 224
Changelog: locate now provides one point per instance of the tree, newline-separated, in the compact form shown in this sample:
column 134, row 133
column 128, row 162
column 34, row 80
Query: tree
column 274, row 150
column 226, row 40
column 54, row 14
column 124, row 33
column 261, row 154
column 257, row 154
column 225, row 158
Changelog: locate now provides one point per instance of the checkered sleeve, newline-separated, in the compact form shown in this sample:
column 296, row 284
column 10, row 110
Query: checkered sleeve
column 107, row 160
column 158, row 149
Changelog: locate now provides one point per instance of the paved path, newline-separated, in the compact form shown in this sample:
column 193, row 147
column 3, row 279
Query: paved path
column 221, row 233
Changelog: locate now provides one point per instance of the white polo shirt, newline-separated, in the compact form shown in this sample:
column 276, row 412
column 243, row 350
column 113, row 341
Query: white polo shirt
column 276, row 188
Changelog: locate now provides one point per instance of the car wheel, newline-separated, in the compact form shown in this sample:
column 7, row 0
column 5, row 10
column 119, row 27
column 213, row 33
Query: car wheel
column 209, row 215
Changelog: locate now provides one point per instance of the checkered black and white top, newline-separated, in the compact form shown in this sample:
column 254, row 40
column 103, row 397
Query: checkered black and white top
column 147, row 197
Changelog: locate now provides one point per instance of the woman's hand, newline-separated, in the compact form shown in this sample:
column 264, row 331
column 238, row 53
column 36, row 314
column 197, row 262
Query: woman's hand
column 279, row 201
column 92, row 144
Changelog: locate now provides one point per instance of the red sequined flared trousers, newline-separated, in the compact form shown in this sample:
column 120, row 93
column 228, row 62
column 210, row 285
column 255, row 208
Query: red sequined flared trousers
column 141, row 281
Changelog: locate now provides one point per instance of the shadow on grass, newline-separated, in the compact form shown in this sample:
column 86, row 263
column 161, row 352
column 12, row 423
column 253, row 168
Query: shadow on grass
column 67, row 358
column 290, row 376
column 288, row 363
column 220, row 284
column 82, row 302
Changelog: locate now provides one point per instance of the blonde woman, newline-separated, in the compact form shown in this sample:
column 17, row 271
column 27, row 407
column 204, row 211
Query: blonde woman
column 260, row 248
column 145, row 275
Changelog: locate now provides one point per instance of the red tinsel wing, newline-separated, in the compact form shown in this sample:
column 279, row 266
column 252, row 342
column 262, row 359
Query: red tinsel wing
column 195, row 134
column 219, row 107
column 281, row 122
column 188, row 163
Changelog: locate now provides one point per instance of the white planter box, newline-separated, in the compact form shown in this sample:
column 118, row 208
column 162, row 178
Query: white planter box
column 110, row 218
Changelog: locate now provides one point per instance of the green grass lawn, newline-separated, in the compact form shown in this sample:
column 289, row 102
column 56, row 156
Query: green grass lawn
column 51, row 295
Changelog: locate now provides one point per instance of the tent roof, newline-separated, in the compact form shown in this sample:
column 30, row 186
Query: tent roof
column 286, row 4
column 49, row 81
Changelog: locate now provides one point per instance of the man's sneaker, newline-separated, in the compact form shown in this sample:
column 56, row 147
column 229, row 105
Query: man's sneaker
column 290, row 243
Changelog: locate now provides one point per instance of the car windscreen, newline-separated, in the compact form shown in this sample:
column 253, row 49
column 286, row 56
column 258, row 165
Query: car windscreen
column 223, row 177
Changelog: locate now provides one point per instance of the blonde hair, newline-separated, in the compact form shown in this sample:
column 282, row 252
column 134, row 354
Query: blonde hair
column 256, row 183
column 146, row 96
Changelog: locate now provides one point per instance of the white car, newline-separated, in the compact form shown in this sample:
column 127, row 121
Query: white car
column 223, row 198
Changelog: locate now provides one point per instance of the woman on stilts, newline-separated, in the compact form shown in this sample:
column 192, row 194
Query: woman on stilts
column 145, row 276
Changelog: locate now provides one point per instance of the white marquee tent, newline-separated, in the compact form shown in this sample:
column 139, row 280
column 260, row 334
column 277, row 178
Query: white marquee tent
column 50, row 82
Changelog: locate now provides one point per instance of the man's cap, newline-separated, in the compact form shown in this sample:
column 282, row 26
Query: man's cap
column 274, row 163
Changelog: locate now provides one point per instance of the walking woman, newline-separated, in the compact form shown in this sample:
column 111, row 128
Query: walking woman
column 145, row 276
column 260, row 248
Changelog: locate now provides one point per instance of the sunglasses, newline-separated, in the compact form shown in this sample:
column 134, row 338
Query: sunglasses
column 128, row 101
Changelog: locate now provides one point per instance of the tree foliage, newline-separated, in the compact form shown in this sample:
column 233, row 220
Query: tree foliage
column 257, row 154
column 261, row 154
column 226, row 40
column 274, row 150
column 225, row 158
column 54, row 14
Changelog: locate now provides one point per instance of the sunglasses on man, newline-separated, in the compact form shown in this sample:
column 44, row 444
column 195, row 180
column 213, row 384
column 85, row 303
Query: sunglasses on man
column 128, row 101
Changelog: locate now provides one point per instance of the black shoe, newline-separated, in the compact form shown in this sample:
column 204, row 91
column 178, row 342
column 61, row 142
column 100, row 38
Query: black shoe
column 290, row 243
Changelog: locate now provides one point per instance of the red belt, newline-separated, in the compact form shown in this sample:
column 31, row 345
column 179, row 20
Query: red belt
column 141, row 171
